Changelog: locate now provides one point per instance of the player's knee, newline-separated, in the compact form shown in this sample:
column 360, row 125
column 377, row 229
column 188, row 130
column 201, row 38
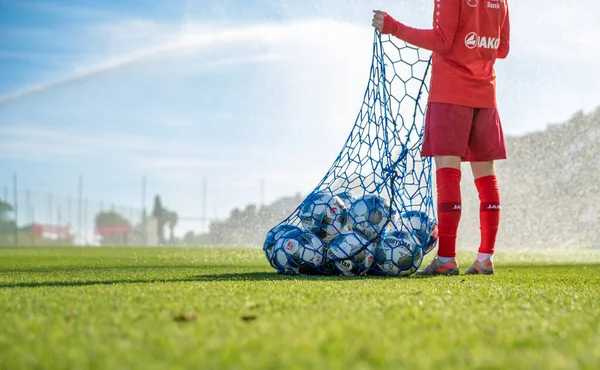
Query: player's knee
column 445, row 161
column 482, row 169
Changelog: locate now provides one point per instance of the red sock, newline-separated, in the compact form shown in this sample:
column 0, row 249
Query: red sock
column 449, row 209
column 489, row 212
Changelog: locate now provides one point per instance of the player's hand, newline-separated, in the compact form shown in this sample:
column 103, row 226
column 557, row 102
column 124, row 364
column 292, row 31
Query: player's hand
column 378, row 18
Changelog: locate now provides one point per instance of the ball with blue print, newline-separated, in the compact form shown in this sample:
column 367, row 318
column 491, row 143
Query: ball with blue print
column 323, row 214
column 423, row 227
column 369, row 214
column 298, row 252
column 347, row 198
column 350, row 254
column 398, row 255
column 272, row 236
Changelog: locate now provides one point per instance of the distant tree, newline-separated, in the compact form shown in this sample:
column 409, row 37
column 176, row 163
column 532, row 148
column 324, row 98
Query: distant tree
column 6, row 224
column 112, row 219
column 5, row 210
column 164, row 218
column 158, row 208
column 171, row 220
column 189, row 238
column 159, row 213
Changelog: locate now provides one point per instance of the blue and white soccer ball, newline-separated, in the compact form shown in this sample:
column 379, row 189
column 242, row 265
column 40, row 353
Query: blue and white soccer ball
column 272, row 236
column 298, row 252
column 347, row 198
column 423, row 227
column 398, row 255
column 369, row 215
column 324, row 215
column 350, row 254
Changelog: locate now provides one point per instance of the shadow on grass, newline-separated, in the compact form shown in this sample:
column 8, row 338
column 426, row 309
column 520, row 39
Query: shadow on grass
column 244, row 276
column 142, row 267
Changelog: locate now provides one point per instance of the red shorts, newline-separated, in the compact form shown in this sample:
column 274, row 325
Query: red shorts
column 474, row 134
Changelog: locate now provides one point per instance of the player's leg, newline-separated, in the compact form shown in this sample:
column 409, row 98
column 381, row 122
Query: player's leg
column 489, row 216
column 449, row 204
column 486, row 145
column 447, row 132
column 449, row 209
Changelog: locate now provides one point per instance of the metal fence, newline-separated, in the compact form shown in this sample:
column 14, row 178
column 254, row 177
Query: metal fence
column 31, row 217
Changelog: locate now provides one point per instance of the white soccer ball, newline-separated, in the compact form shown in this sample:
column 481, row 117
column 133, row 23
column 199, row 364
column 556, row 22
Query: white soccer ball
column 323, row 214
column 423, row 227
column 347, row 198
column 350, row 254
column 272, row 236
column 398, row 255
column 298, row 252
column 369, row 214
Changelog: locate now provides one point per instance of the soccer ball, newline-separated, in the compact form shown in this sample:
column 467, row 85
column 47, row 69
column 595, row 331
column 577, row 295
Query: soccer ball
column 350, row 254
column 272, row 236
column 398, row 255
column 298, row 252
column 369, row 214
column 347, row 198
column 324, row 215
column 423, row 227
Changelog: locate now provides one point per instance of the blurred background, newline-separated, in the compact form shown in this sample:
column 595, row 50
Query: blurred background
column 162, row 122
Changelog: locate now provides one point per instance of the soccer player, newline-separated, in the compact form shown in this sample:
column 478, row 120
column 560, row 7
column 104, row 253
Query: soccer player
column 462, row 121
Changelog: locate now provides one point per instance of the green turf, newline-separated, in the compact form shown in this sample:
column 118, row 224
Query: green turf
column 211, row 308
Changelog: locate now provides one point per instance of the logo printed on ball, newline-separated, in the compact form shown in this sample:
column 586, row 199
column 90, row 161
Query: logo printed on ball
column 346, row 264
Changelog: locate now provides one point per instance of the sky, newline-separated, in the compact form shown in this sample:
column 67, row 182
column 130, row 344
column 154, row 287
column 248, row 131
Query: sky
column 238, row 92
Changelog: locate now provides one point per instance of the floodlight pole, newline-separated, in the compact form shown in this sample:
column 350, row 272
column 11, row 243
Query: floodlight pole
column 144, row 227
column 262, row 193
column 50, row 209
column 28, row 216
column 80, row 209
column 69, row 211
column 16, row 210
column 204, row 186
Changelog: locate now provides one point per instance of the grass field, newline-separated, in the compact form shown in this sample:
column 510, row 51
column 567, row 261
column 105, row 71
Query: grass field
column 220, row 308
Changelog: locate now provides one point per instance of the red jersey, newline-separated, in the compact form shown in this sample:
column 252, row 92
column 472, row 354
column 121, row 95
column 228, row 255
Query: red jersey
column 466, row 39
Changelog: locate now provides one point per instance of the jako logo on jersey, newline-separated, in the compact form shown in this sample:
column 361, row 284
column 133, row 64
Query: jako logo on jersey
column 457, row 207
column 472, row 3
column 493, row 206
column 473, row 40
